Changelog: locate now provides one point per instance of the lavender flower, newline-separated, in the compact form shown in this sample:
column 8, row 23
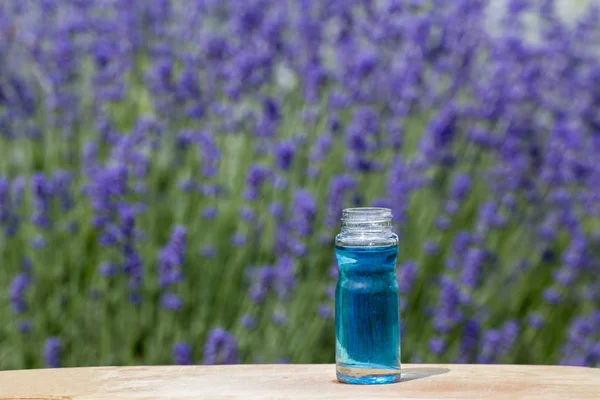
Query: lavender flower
column 238, row 239
column 431, row 248
column 305, row 211
column 52, row 350
column 208, row 251
column 325, row 311
column 277, row 210
column 552, row 296
column 171, row 302
column 279, row 318
column 407, row 273
column 247, row 214
column 25, row 326
column 108, row 270
column 220, row 348
column 285, row 276
column 460, row 187
column 172, row 257
column 472, row 267
column 337, row 191
column 264, row 278
column 284, row 155
column 257, row 175
column 41, row 193
column 38, row 243
column 210, row 213
column 535, row 320
column 4, row 200
column 437, row 346
column 182, row 353
column 17, row 292
column 248, row 322
column 469, row 340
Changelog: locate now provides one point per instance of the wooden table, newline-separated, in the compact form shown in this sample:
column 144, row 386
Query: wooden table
column 419, row 381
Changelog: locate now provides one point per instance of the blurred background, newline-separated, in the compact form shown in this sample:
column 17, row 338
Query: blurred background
column 172, row 175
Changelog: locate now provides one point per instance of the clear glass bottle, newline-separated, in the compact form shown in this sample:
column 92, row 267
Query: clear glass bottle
column 367, row 308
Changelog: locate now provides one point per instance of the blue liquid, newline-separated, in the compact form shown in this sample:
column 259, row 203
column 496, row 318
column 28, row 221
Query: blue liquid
column 367, row 315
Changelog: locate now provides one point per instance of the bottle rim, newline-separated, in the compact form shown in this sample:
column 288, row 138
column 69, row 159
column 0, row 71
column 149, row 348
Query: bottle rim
column 366, row 215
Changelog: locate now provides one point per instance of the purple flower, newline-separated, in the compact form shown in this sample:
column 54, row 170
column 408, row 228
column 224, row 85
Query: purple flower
column 325, row 311
column 442, row 223
column 38, row 242
column 171, row 258
column 257, row 175
column 210, row 212
column 284, row 154
column 460, row 187
column 338, row 188
column 171, row 302
column 264, row 278
column 321, row 148
column 208, row 251
column 238, row 239
column 576, row 255
column 188, row 86
column 182, row 353
column 279, row 318
column 24, row 326
column 330, row 291
column 407, row 273
column 447, row 315
column 437, row 345
column 60, row 182
column 564, row 276
column 41, row 193
column 439, row 134
column 431, row 248
column 220, row 348
column 17, row 292
column 535, row 320
column 247, row 214
column 280, row 182
column 248, row 322
column 552, row 296
column 132, row 266
column 305, row 211
column 462, row 240
column 489, row 216
column 452, row 207
column 108, row 270
column 472, row 267
column 276, row 209
column 271, row 109
column 52, row 349
column 4, row 199
column 160, row 79
column 285, row 276
column 211, row 155
column 469, row 340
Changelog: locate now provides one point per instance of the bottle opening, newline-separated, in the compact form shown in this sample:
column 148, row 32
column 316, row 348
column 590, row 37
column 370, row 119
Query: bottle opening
column 365, row 216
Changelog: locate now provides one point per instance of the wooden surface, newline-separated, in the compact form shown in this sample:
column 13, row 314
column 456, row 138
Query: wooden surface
column 419, row 381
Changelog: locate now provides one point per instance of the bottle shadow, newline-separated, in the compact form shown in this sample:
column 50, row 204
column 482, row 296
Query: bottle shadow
column 410, row 374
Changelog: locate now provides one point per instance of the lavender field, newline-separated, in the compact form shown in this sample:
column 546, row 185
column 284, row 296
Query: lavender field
column 172, row 175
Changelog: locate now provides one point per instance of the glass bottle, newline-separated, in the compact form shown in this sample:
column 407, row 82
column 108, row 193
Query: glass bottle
column 367, row 309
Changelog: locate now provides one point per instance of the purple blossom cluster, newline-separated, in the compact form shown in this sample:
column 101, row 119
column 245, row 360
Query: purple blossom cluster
column 194, row 157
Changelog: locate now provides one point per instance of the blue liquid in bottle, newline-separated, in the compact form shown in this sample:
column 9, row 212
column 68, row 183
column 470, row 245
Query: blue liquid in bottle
column 367, row 315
